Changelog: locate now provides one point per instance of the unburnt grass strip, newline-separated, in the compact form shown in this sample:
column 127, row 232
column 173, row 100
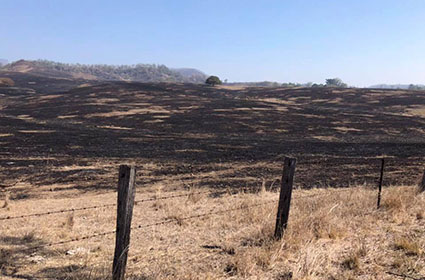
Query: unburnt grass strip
column 331, row 233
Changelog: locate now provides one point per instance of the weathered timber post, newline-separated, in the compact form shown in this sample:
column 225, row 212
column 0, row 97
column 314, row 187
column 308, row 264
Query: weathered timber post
column 285, row 197
column 126, row 192
column 381, row 178
column 422, row 184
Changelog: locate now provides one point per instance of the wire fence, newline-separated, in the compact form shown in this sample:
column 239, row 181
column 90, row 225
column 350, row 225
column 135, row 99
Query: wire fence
column 136, row 202
column 346, row 172
column 169, row 220
column 138, row 227
column 57, row 212
column 166, row 221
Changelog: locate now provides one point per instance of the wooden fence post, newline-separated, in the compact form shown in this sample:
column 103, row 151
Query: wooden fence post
column 422, row 184
column 380, row 183
column 126, row 193
column 285, row 197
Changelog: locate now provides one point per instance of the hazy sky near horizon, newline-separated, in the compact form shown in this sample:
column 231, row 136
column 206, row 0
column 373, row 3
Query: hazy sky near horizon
column 363, row 42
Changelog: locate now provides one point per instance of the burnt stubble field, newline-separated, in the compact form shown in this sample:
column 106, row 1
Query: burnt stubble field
column 206, row 136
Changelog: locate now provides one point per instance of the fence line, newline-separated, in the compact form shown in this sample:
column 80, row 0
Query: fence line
column 167, row 221
column 165, row 197
column 136, row 202
column 183, row 195
column 69, row 240
column 322, row 194
column 211, row 213
column 57, row 212
column 113, row 204
column 281, row 221
column 236, row 191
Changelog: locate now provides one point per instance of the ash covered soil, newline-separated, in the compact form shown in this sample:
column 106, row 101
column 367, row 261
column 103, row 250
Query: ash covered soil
column 200, row 136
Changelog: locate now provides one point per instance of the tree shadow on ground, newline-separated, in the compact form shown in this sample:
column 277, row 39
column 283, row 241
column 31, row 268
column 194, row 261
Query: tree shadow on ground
column 18, row 252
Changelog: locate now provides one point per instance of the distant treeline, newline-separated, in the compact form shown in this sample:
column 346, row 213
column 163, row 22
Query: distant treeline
column 137, row 72
column 334, row 82
column 399, row 86
column 270, row 84
column 416, row 87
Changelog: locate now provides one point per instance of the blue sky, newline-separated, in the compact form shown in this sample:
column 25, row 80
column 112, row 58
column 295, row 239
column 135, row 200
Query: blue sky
column 362, row 42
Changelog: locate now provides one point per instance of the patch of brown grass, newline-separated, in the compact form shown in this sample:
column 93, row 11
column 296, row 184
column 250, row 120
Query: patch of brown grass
column 332, row 234
column 69, row 222
column 408, row 245
column 6, row 201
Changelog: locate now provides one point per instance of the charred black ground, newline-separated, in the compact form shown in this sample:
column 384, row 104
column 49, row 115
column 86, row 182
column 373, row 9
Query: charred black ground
column 185, row 132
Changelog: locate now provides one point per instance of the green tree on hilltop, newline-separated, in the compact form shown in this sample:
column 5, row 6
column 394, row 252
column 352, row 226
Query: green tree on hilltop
column 213, row 80
column 335, row 82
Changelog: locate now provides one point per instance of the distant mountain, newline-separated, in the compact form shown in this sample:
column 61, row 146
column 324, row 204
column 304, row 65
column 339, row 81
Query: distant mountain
column 138, row 72
column 3, row 62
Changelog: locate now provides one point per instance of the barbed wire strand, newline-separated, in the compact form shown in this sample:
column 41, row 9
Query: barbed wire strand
column 211, row 213
column 69, row 240
column 139, row 202
column 167, row 221
column 107, row 205
column 187, row 194
column 322, row 194
column 56, row 212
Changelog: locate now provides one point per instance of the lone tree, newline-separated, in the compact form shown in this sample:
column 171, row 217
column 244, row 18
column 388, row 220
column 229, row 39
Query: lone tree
column 213, row 80
column 335, row 82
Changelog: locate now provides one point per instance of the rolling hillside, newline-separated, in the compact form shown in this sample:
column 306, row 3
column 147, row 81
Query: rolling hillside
column 139, row 72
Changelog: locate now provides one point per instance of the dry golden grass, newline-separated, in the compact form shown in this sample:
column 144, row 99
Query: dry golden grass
column 418, row 110
column 332, row 234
